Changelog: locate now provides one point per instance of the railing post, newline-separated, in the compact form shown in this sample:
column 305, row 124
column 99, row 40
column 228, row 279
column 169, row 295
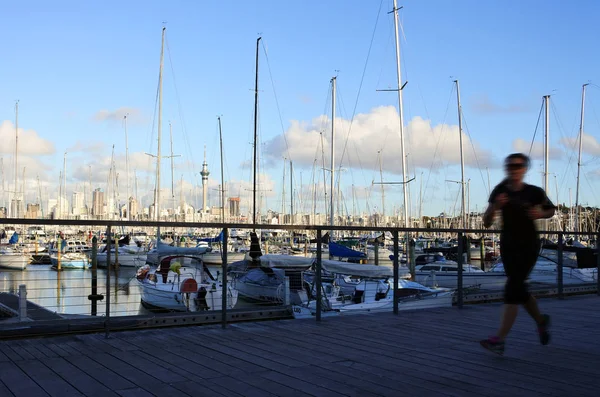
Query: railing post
column 225, row 289
column 396, row 269
column 482, row 252
column 598, row 263
column 318, row 276
column 559, row 267
column 459, row 285
column 93, row 296
column 108, row 247
column 376, row 252
column 22, row 302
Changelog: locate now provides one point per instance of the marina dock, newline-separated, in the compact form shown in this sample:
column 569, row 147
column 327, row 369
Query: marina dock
column 417, row 353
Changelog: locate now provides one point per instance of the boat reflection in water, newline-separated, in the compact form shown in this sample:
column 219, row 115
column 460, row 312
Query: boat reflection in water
column 67, row 292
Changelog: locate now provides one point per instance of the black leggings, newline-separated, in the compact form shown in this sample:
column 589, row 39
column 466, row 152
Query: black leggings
column 518, row 260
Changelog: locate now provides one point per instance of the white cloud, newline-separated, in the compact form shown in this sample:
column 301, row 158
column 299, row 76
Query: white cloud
column 590, row 144
column 537, row 151
column 30, row 143
column 373, row 132
column 133, row 115
column 483, row 104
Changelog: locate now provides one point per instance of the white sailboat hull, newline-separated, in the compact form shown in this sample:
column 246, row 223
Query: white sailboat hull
column 15, row 261
column 125, row 260
column 214, row 258
column 71, row 261
column 167, row 297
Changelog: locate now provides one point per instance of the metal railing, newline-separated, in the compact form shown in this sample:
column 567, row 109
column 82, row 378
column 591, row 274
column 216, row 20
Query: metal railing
column 106, row 311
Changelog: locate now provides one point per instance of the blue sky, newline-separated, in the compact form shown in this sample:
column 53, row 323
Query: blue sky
column 77, row 67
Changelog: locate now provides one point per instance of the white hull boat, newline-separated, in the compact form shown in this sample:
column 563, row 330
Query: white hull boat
column 374, row 296
column 215, row 258
column 14, row 260
column 70, row 260
column 128, row 257
column 173, row 287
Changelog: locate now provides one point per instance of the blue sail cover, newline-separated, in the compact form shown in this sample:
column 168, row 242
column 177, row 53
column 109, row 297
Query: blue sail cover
column 217, row 239
column 344, row 252
column 14, row 238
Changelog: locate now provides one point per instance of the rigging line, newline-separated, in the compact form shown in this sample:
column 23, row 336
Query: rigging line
column 385, row 51
column 276, row 101
column 439, row 139
column 486, row 187
column 343, row 111
column 536, row 129
column 591, row 187
column 179, row 107
column 572, row 146
column 362, row 79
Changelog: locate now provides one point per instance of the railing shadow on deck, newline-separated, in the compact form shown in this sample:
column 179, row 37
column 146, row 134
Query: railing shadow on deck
column 107, row 300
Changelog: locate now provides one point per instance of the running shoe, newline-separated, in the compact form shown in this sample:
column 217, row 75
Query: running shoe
column 493, row 344
column 543, row 330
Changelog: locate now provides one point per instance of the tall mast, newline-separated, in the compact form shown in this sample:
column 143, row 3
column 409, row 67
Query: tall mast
column 158, row 153
column 331, row 182
column 291, row 193
column 16, row 154
column 64, row 182
column 546, row 140
column 401, row 114
column 3, row 185
column 172, row 169
column 579, row 157
column 222, row 174
column 283, row 195
column 127, row 168
column 254, row 180
column 462, row 159
column 382, row 187
column 40, row 193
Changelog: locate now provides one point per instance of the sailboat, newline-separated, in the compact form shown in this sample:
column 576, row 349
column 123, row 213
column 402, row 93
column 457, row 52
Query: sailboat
column 171, row 291
column 11, row 257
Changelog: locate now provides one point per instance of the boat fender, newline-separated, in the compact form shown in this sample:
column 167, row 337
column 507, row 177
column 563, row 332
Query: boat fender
column 188, row 285
column 143, row 272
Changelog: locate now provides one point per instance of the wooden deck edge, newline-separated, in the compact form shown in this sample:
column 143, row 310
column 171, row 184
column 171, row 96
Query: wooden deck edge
column 69, row 326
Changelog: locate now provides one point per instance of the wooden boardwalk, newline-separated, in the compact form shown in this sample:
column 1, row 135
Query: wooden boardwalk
column 422, row 353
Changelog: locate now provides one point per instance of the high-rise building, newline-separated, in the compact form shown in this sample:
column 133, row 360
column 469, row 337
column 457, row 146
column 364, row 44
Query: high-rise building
column 98, row 202
column 132, row 209
column 234, row 206
column 17, row 209
column 78, row 203
column 33, row 211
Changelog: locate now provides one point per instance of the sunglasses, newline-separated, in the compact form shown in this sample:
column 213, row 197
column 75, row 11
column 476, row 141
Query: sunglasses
column 514, row 166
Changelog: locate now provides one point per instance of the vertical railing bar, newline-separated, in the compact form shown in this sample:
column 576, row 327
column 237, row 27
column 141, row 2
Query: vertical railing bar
column 396, row 269
column 108, row 247
column 459, row 285
column 559, row 272
column 224, row 287
column 318, row 275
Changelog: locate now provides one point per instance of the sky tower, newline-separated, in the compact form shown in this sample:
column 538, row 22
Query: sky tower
column 204, row 174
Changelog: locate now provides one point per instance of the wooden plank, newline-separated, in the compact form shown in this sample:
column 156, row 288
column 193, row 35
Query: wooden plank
column 80, row 380
column 105, row 376
column 187, row 368
column 139, row 377
column 160, row 373
column 19, row 384
column 204, row 389
column 48, row 380
column 300, row 385
column 135, row 392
